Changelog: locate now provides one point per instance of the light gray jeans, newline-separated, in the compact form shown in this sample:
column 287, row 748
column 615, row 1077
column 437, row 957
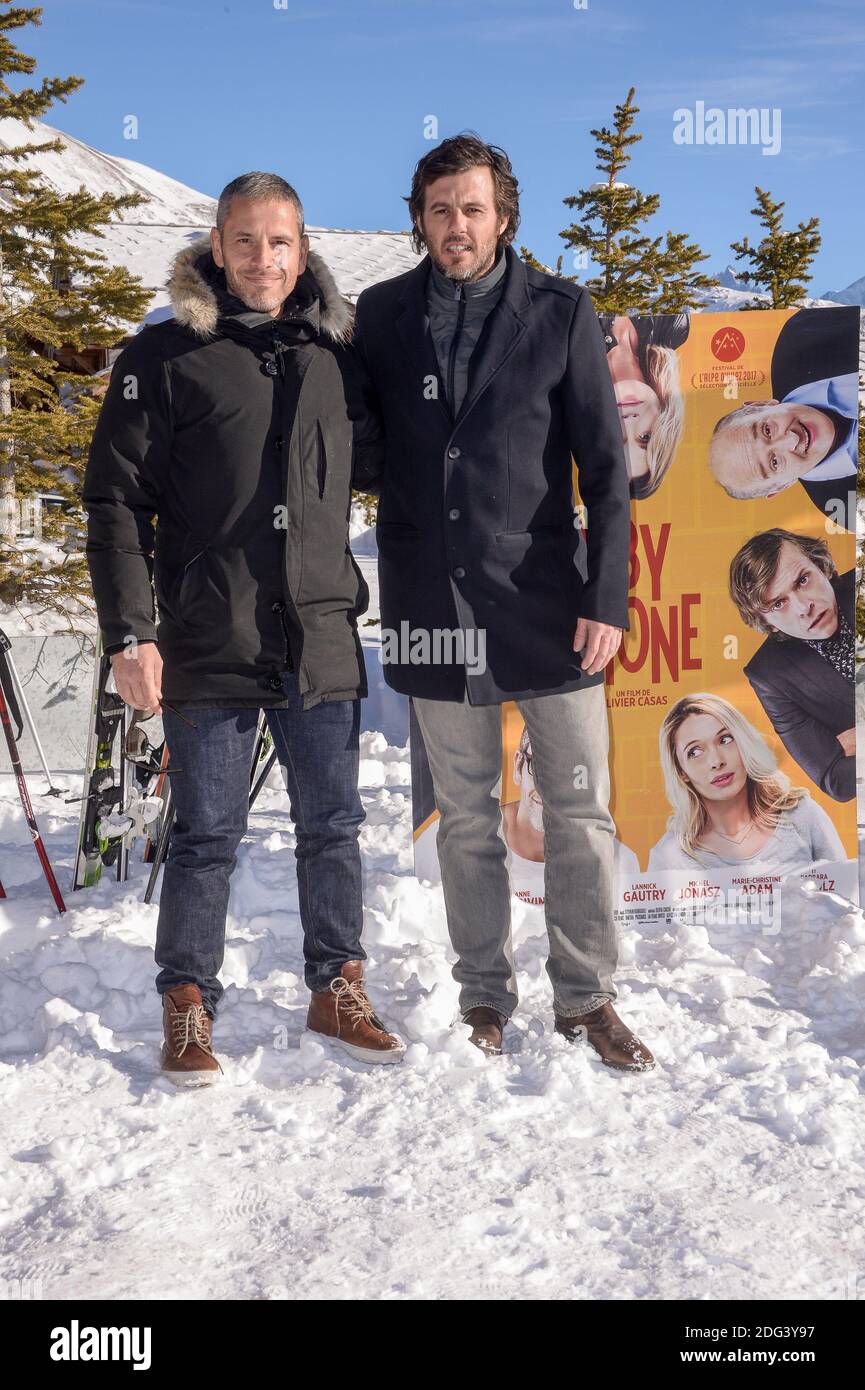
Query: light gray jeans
column 464, row 746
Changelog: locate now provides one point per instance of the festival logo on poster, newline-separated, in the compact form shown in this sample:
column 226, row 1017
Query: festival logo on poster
column 731, row 698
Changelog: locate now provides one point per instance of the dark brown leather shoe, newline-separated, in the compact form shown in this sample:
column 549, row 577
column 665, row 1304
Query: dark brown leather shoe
column 487, row 1026
column 187, row 1052
column 344, row 1014
column 610, row 1037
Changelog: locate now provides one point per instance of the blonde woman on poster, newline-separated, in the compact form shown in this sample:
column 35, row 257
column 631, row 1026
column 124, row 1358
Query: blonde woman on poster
column 731, row 803
column 645, row 371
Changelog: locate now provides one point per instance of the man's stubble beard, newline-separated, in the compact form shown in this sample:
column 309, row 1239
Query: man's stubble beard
column 485, row 256
column 262, row 306
column 263, row 303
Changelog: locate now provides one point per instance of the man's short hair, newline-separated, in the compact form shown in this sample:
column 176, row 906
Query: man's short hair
column 454, row 156
column 754, row 566
column 728, row 422
column 260, row 186
column 739, row 415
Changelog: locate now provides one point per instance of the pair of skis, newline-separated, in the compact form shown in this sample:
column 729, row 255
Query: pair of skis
column 115, row 810
column 117, row 806
column 9, row 711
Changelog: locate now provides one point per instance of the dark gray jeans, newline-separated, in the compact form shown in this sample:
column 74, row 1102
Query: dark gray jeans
column 570, row 749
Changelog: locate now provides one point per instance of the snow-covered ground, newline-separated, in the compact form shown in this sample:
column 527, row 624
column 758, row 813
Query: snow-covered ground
column 734, row 1170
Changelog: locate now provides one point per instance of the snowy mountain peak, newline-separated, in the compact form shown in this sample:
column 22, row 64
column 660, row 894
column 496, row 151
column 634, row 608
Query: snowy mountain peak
column 854, row 293
column 731, row 279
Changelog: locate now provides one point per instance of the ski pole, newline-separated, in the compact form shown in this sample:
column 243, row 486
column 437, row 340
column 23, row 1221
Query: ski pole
column 38, row 843
column 260, row 737
column 5, row 645
column 262, row 777
column 123, row 856
column 161, row 847
column 161, row 783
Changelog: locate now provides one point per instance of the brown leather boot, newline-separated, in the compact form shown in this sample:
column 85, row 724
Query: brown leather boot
column 609, row 1036
column 187, row 1053
column 487, row 1026
column 344, row 1014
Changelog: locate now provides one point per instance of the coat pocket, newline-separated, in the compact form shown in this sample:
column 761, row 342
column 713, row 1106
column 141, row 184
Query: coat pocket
column 559, row 528
column 321, row 459
column 170, row 579
column 223, row 610
column 189, row 576
column 541, row 555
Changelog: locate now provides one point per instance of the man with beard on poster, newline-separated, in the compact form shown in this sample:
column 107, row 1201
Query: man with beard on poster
column 787, row 585
column 486, row 376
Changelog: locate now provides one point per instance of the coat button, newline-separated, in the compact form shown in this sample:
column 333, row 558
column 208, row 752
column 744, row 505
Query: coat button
column 454, row 514
column 454, row 452
column 459, row 572
column 278, row 442
column 275, row 682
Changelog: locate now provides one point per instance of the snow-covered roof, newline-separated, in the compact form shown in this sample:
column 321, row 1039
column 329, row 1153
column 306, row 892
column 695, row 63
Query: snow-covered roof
column 146, row 239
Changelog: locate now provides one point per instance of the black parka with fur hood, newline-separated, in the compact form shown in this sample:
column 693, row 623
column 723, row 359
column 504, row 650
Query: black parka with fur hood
column 219, row 475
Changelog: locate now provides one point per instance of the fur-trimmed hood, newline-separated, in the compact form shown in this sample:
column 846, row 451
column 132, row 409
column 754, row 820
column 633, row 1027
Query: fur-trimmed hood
column 194, row 293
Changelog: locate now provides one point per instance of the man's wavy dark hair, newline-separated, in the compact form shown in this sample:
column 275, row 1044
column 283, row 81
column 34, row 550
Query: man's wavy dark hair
column 454, row 156
column 753, row 568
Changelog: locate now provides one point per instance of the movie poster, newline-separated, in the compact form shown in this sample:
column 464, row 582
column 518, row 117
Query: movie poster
column 731, row 698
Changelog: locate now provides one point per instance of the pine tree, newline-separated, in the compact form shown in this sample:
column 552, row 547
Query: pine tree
column 54, row 294
column 635, row 271
column 781, row 260
column 539, row 265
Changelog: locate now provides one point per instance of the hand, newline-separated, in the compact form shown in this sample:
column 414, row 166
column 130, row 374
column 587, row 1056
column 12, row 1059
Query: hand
column 138, row 676
column 847, row 740
column 601, row 641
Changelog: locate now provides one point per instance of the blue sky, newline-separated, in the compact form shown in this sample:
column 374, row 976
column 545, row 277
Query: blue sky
column 333, row 96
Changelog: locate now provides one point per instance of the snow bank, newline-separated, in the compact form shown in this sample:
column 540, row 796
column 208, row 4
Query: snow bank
column 734, row 1170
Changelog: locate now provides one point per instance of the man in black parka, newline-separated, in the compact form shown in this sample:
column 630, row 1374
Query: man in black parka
column 483, row 377
column 219, row 474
